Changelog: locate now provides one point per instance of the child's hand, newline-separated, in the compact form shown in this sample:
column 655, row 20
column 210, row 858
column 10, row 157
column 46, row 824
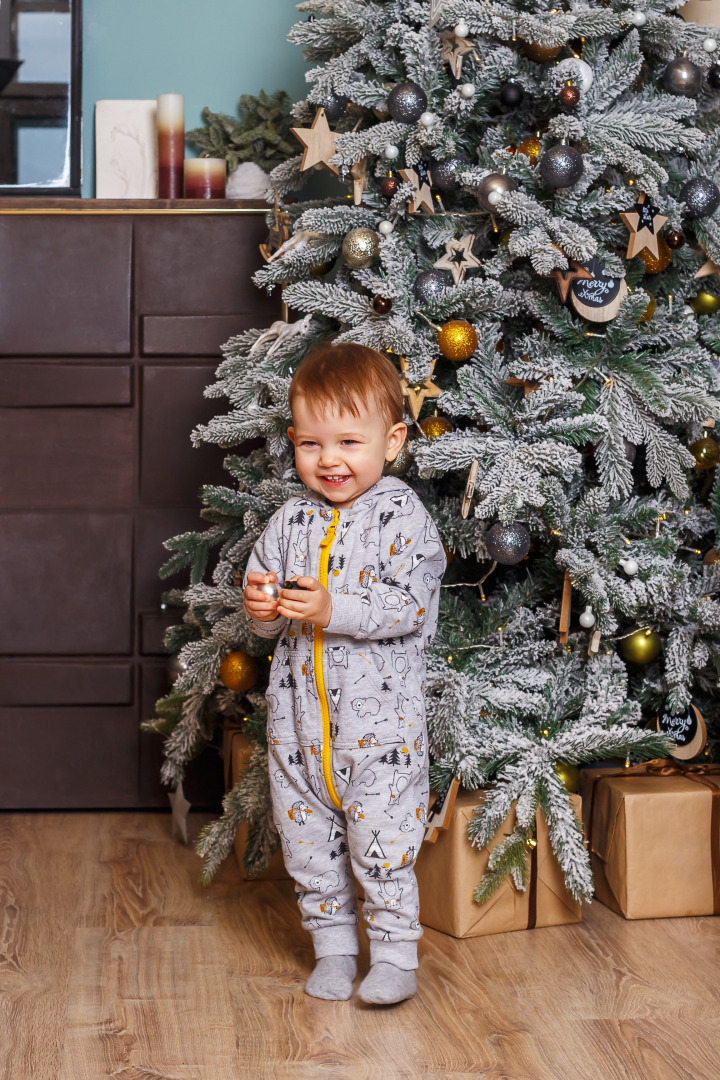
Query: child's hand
column 310, row 603
column 258, row 604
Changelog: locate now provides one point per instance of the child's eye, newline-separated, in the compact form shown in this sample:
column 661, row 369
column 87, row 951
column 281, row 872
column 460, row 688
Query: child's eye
column 349, row 442
column 308, row 443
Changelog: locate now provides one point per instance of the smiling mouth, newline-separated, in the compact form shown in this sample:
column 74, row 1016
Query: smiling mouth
column 336, row 480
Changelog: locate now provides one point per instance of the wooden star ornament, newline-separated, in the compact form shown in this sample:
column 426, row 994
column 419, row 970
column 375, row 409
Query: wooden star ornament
column 453, row 50
column 708, row 269
column 422, row 198
column 417, row 394
column 458, row 257
column 565, row 278
column 319, row 143
column 644, row 224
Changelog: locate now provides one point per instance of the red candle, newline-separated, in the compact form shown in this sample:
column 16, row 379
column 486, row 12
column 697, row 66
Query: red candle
column 205, row 178
column 171, row 145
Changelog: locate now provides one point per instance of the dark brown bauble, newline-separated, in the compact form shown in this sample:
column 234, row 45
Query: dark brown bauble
column 457, row 340
column 381, row 305
column 238, row 671
column 675, row 239
column 642, row 647
column 653, row 264
column 705, row 303
column 569, row 96
column 683, row 77
column 530, row 148
column 511, row 94
column 569, row 774
column 714, row 77
column 540, row 53
column 389, row 185
column 706, row 453
column 435, row 426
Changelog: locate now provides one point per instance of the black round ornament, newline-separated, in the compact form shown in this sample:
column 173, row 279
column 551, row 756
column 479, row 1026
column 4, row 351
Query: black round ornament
column 597, row 299
column 714, row 77
column 389, row 185
column 675, row 239
column 701, row 197
column 683, row 77
column 444, row 173
column 407, row 102
column 492, row 188
column 511, row 94
column 429, row 284
column 688, row 732
column 381, row 305
column 334, row 106
column 569, row 96
column 561, row 166
column 507, row 544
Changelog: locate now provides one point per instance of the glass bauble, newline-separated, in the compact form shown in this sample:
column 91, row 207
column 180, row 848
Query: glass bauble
column 706, row 452
column 569, row 96
column 381, row 305
column 649, row 308
column 701, row 197
column 389, row 185
column 176, row 667
column 683, row 77
column 561, row 166
column 434, row 426
column 642, row 647
column 361, row 247
column 675, row 239
column 444, row 173
column 457, row 340
column 334, row 105
column 492, row 188
column 407, row 102
column 238, row 671
column 511, row 94
column 507, row 544
column 530, row 148
column 429, row 284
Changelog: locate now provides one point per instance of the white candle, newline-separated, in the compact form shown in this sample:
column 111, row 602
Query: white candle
column 171, row 145
column 205, row 178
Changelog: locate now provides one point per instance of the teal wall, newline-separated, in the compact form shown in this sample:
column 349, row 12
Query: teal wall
column 212, row 51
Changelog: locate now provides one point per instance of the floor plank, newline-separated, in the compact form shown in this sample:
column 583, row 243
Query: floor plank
column 115, row 962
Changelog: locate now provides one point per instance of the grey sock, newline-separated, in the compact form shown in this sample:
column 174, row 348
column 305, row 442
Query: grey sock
column 332, row 978
column 384, row 984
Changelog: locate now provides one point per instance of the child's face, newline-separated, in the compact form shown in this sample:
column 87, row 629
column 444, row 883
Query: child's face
column 340, row 455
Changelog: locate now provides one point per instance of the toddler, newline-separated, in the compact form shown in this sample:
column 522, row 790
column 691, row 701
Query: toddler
column 346, row 723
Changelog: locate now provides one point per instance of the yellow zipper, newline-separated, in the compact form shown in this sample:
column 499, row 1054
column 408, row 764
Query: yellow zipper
column 318, row 663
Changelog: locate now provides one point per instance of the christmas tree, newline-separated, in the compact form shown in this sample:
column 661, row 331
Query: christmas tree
column 524, row 221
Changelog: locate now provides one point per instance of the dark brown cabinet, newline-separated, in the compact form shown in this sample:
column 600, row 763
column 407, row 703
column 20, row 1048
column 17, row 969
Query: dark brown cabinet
column 111, row 324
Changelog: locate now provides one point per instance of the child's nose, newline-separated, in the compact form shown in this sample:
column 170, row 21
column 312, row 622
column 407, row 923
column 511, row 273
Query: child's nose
column 328, row 456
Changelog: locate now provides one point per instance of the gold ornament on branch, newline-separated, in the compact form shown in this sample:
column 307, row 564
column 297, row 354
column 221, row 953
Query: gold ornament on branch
column 417, row 394
column 457, row 340
column 705, row 303
column 530, row 148
column 656, row 264
column 569, row 775
column 641, row 647
column 435, row 426
column 238, row 671
column 649, row 308
column 706, row 452
column 540, row 53
column 361, row 247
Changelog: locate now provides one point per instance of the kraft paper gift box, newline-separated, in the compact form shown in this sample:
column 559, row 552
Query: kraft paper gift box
column 654, row 837
column 448, row 871
column 237, row 751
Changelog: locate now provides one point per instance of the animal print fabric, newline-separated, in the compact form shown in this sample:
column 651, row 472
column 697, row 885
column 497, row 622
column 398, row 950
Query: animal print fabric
column 350, row 791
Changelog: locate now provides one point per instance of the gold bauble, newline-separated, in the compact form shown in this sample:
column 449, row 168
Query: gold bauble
column 664, row 257
column 540, row 53
column 569, row 774
column 321, row 269
column 361, row 247
column 649, row 309
column 705, row 303
column 238, row 671
column 457, row 340
column 642, row 647
column 530, row 148
column 433, row 426
column 399, row 465
column 706, row 453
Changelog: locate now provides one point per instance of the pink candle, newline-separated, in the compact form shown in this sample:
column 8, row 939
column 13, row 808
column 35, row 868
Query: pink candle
column 171, row 145
column 205, row 178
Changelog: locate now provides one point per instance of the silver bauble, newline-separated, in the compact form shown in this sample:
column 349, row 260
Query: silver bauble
column 681, row 76
column 407, row 102
column 270, row 589
column 176, row 667
column 492, row 187
column 401, row 464
column 584, row 77
column 444, row 173
column 561, row 166
column 701, row 197
column 507, row 544
column 334, row 105
column 361, row 247
column 429, row 284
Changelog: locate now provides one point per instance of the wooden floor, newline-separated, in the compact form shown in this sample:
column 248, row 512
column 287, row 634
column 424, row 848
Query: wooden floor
column 115, row 962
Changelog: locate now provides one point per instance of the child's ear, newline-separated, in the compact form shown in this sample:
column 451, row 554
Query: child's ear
column 396, row 441
column 291, row 435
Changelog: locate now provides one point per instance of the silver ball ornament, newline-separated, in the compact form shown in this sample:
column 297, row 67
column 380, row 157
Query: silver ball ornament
column 578, row 70
column 507, row 544
column 361, row 247
column 467, row 90
column 492, row 188
column 428, row 119
column 270, row 588
column 385, row 228
column 407, row 102
column 561, row 166
column 682, row 77
column 637, row 18
column 391, row 152
column 701, row 197
column 587, row 619
column 429, row 284
column 710, row 44
column 444, row 173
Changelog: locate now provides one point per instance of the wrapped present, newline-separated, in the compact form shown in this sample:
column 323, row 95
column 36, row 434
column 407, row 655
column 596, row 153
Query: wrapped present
column 654, row 837
column 449, row 868
column 237, row 751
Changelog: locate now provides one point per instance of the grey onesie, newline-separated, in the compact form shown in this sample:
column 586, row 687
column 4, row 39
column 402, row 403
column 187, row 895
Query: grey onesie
column 346, row 719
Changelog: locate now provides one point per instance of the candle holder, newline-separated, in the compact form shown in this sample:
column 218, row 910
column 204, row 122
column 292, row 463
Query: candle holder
column 171, row 145
column 205, row 178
